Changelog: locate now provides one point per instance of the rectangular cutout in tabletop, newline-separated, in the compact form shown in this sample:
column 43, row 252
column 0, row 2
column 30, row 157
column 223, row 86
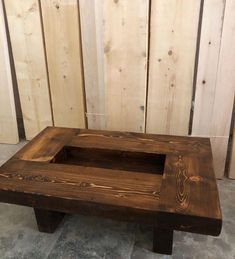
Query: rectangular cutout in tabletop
column 112, row 159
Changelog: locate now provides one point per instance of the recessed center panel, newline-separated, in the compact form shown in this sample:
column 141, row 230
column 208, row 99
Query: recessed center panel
column 112, row 159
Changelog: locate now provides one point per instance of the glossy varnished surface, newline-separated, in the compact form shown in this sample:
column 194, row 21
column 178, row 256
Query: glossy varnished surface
column 104, row 186
column 184, row 196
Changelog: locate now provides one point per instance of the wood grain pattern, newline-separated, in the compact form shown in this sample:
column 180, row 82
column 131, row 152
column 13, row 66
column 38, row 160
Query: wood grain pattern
column 174, row 195
column 173, row 31
column 28, row 52
column 63, row 49
column 54, row 138
column 125, row 63
column 139, row 191
column 91, row 15
column 8, row 123
column 187, row 189
column 138, row 142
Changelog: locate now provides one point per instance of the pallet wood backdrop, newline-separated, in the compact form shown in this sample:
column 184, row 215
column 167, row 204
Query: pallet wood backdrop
column 162, row 66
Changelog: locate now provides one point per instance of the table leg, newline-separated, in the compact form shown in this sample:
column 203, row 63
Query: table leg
column 162, row 241
column 47, row 220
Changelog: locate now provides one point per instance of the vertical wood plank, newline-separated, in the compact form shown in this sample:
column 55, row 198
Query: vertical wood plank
column 28, row 53
column 63, row 49
column 92, row 49
column 219, row 150
column 8, row 124
column 173, row 34
column 216, row 80
column 211, row 30
column 225, row 87
column 231, row 173
column 125, row 63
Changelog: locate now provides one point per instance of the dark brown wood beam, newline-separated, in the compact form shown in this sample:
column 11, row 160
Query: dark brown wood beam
column 162, row 241
column 48, row 220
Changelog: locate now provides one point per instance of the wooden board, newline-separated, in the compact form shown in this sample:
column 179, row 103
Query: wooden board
column 219, row 151
column 211, row 30
column 8, row 124
column 29, row 58
column 63, row 50
column 125, row 63
column 172, row 193
column 214, row 101
column 173, row 34
column 225, row 84
column 136, row 142
column 206, row 86
column 92, row 49
column 136, row 187
column 231, row 173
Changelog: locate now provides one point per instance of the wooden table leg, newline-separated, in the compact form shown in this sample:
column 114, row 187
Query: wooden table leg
column 162, row 241
column 47, row 220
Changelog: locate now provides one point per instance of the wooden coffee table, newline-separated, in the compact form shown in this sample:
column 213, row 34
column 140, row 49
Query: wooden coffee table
column 164, row 181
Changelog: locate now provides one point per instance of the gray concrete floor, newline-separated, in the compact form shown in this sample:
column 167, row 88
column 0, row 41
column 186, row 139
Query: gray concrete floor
column 91, row 237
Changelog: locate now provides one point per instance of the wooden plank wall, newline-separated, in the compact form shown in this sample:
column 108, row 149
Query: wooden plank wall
column 8, row 124
column 115, row 63
column 91, row 15
column 63, row 49
column 29, row 59
column 174, row 26
column 126, row 65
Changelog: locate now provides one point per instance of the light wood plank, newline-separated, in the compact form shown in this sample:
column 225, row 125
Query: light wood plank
column 231, row 172
column 92, row 48
column 8, row 124
column 173, row 35
column 225, row 84
column 219, row 150
column 211, row 30
column 206, row 87
column 125, row 63
column 216, row 79
column 63, row 48
column 29, row 58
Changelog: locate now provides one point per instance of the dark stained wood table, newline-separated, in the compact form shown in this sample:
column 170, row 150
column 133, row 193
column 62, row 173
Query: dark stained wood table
column 164, row 181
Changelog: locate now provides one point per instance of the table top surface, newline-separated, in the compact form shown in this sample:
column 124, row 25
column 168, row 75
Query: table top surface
column 184, row 188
